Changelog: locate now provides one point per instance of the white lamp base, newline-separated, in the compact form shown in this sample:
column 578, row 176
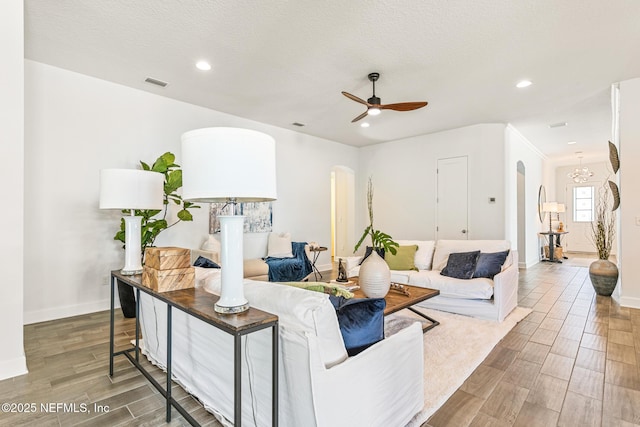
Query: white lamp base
column 232, row 298
column 132, row 237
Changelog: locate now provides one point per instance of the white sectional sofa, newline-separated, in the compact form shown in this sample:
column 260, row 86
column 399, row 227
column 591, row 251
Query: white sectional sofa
column 480, row 297
column 319, row 384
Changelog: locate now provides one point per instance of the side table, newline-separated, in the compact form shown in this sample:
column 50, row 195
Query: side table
column 316, row 253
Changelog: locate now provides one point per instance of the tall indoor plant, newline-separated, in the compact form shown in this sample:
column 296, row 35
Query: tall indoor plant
column 604, row 273
column 152, row 224
column 375, row 276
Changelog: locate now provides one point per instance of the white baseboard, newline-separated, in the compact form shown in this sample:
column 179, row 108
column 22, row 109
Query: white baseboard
column 13, row 367
column 66, row 311
column 324, row 267
column 631, row 302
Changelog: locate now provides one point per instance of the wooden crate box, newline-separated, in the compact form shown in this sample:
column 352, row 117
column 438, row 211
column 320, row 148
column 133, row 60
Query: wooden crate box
column 168, row 280
column 167, row 258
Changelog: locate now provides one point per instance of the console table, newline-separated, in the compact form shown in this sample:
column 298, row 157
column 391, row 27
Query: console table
column 198, row 303
column 552, row 244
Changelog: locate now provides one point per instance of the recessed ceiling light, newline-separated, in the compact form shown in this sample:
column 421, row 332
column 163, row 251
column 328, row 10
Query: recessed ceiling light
column 524, row 83
column 364, row 125
column 571, row 142
column 203, row 65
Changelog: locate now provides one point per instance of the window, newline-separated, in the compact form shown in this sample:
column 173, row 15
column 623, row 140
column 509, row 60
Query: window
column 583, row 203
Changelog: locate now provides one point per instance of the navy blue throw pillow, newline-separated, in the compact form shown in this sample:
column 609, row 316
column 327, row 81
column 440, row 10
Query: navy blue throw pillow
column 368, row 251
column 361, row 321
column 490, row 264
column 205, row 263
column 461, row 265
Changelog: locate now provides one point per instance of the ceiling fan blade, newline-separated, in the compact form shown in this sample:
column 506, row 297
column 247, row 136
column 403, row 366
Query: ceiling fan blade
column 355, row 98
column 361, row 116
column 404, row 106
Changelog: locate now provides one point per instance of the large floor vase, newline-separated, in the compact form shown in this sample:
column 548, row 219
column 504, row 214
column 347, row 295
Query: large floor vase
column 374, row 276
column 604, row 276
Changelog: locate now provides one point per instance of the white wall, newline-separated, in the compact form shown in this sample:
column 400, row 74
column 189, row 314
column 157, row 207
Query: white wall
column 77, row 125
column 12, row 360
column 404, row 180
column 518, row 148
column 629, row 174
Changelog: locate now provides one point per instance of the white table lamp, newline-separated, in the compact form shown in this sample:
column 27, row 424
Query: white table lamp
column 229, row 165
column 131, row 189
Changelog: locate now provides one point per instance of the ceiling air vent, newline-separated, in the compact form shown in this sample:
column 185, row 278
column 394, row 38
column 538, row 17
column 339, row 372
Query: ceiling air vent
column 298, row 124
column 155, row 82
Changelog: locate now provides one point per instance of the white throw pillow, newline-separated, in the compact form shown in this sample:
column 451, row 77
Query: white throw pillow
column 279, row 245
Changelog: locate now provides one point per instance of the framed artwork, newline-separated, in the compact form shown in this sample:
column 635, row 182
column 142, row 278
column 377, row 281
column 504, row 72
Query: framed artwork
column 258, row 216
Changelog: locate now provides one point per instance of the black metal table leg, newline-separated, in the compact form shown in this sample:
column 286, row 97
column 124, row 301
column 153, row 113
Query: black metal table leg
column 137, row 325
column 433, row 321
column 168, row 363
column 274, row 374
column 237, row 381
column 111, row 326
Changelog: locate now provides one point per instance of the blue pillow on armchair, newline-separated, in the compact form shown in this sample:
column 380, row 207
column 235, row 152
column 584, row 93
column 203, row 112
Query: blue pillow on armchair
column 361, row 321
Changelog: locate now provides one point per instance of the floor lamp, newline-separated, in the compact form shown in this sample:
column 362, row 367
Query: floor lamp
column 229, row 165
column 131, row 189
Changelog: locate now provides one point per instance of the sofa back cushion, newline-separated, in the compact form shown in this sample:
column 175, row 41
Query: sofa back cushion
column 297, row 309
column 424, row 254
column 446, row 247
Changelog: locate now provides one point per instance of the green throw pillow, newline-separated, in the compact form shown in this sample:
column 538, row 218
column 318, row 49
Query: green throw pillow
column 403, row 259
column 320, row 287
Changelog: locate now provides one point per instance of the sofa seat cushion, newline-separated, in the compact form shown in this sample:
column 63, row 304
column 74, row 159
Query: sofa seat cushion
column 255, row 267
column 479, row 288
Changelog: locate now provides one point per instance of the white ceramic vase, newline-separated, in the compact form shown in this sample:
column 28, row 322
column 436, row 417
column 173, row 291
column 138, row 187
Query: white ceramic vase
column 375, row 276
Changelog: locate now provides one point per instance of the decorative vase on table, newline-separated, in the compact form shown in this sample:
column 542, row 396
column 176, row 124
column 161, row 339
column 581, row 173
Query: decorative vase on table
column 604, row 276
column 375, row 276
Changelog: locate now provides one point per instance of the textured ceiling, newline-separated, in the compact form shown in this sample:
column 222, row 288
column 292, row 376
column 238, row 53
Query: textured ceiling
column 281, row 62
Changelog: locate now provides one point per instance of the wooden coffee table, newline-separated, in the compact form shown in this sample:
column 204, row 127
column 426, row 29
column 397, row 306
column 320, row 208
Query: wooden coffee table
column 397, row 301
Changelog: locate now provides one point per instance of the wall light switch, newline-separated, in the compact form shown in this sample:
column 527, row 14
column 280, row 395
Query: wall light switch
column 638, row 221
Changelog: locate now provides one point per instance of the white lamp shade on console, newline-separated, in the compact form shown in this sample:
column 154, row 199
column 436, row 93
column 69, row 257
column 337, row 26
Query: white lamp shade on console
column 231, row 165
column 131, row 189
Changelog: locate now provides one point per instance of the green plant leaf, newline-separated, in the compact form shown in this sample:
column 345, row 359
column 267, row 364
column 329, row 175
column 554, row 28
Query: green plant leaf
column 160, row 165
column 168, row 158
column 185, row 215
column 364, row 236
column 144, row 166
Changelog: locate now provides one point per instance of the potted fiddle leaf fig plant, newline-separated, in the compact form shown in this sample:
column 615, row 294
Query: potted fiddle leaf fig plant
column 604, row 273
column 374, row 275
column 152, row 224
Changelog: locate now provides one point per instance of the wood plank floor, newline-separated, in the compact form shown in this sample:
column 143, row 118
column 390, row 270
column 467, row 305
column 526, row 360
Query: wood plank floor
column 572, row 362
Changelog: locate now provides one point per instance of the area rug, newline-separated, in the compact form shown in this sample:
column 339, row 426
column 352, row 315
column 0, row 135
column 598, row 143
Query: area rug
column 452, row 351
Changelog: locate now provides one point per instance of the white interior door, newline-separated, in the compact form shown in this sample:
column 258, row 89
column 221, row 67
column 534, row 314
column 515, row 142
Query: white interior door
column 577, row 218
column 452, row 199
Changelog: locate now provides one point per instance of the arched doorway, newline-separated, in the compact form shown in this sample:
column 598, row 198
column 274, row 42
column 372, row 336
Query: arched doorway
column 342, row 211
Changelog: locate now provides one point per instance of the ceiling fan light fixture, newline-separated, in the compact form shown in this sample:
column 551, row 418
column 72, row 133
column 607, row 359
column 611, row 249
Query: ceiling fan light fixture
column 373, row 111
